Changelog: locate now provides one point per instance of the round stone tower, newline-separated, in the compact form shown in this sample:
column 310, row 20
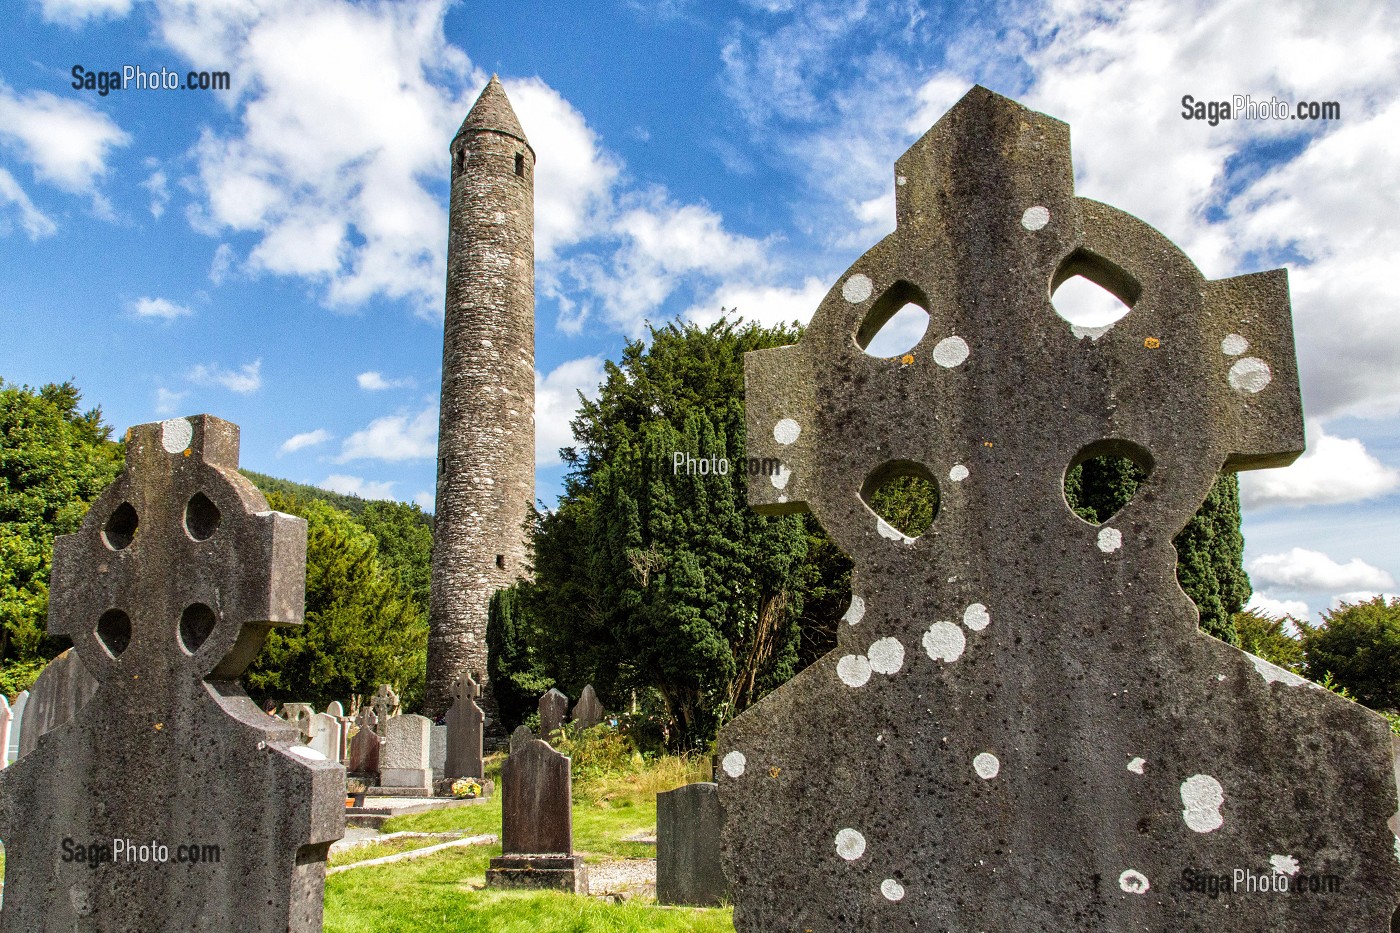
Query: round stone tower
column 486, row 434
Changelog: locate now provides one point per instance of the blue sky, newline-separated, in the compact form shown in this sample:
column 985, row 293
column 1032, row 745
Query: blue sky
column 274, row 253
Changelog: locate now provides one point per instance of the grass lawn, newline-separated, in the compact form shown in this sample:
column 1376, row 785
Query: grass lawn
column 446, row 891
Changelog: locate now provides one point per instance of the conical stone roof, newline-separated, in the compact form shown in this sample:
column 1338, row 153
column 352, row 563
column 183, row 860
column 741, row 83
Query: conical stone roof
column 493, row 113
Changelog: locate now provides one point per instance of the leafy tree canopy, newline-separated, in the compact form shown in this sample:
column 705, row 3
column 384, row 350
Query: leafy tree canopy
column 1358, row 646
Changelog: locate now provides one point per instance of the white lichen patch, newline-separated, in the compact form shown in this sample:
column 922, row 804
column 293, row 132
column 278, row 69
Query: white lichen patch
column 1035, row 218
column 1233, row 345
column 1284, row 864
column 1133, row 881
column 780, row 476
column 886, row 656
column 958, row 473
column 893, row 890
column 855, row 612
column 1136, row 765
column 850, row 845
column 889, row 531
column 1273, row 673
column 786, row 431
column 1202, row 797
column 857, row 288
column 944, row 641
column 950, row 352
column 734, row 764
column 854, row 670
column 986, row 765
column 976, row 617
column 1250, row 375
column 176, row 434
column 1110, row 540
column 901, row 180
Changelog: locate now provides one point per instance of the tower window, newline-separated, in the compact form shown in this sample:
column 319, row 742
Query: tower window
column 461, row 158
column 520, row 164
column 501, row 561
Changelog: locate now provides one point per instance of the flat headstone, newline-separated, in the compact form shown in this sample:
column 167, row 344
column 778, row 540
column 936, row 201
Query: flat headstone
column 554, row 706
column 465, row 723
column 325, row 736
column 17, row 723
column 588, row 711
column 519, row 737
column 6, row 722
column 437, row 751
column 404, row 758
column 537, row 833
column 1022, row 726
column 688, row 867
column 346, row 723
column 63, row 687
column 385, row 703
column 299, row 715
column 365, row 744
column 167, row 591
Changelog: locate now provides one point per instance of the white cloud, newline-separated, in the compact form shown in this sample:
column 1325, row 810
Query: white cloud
column 77, row 12
column 374, row 382
column 155, row 183
column 1359, row 596
column 168, row 401
column 1302, row 569
column 556, row 403
column 1332, row 471
column 221, row 264
column 425, row 500
column 355, row 486
column 34, row 221
column 304, row 440
column 395, row 437
column 159, row 308
column 768, row 305
column 244, row 380
column 1265, row 605
column 66, row 141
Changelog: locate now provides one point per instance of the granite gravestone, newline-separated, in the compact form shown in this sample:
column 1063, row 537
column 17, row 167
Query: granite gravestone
column 437, row 751
column 554, row 706
column 299, row 715
column 537, row 823
column 167, row 591
column 1022, row 726
column 464, row 731
column 588, row 712
column 17, row 723
column 63, row 687
column 404, row 763
column 519, row 737
column 338, row 711
column 688, row 868
column 386, row 706
column 325, row 736
column 365, row 745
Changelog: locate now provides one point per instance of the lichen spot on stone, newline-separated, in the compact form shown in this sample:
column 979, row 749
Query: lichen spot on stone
column 734, row 764
column 901, row 180
column 1136, row 765
column 1110, row 540
column 986, row 765
column 1133, row 881
column 1250, row 375
column 1233, row 345
column 1201, row 799
column 944, row 641
column 976, row 617
column 176, row 434
column 857, row 288
column 855, row 612
column 1152, row 343
column 1035, row 218
column 950, row 352
column 893, row 890
column 958, row 473
column 1284, row 865
column 786, row 431
column 850, row 845
column 886, row 656
column 854, row 670
column 779, row 478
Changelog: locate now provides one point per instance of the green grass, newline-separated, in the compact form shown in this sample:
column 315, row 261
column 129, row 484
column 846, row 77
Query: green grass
column 445, row 892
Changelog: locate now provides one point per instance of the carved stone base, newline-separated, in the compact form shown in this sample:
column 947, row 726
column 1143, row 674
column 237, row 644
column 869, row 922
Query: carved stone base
column 551, row 872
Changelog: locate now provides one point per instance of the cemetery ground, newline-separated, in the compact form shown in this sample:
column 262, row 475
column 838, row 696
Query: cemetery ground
column 614, row 805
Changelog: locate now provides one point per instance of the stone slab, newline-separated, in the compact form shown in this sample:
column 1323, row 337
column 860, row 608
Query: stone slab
column 553, row 708
column 536, row 801
column 539, row 872
column 63, row 687
column 688, row 866
column 588, row 711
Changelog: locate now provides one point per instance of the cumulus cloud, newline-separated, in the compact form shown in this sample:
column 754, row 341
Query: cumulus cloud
column 304, row 440
column 78, row 12
column 556, row 403
column 168, row 401
column 1332, row 471
column 355, row 486
column 65, row 141
column 244, row 380
column 375, row 382
column 425, row 500
column 1266, row 605
column 768, row 305
column 395, row 437
column 1302, row 569
column 155, row 184
column 162, row 308
column 34, row 221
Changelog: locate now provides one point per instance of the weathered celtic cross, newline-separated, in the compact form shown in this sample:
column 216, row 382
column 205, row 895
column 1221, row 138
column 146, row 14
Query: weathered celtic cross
column 172, row 802
column 465, row 723
column 1023, row 727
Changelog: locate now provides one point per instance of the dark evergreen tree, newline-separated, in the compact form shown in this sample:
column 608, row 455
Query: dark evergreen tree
column 1359, row 646
column 516, row 678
